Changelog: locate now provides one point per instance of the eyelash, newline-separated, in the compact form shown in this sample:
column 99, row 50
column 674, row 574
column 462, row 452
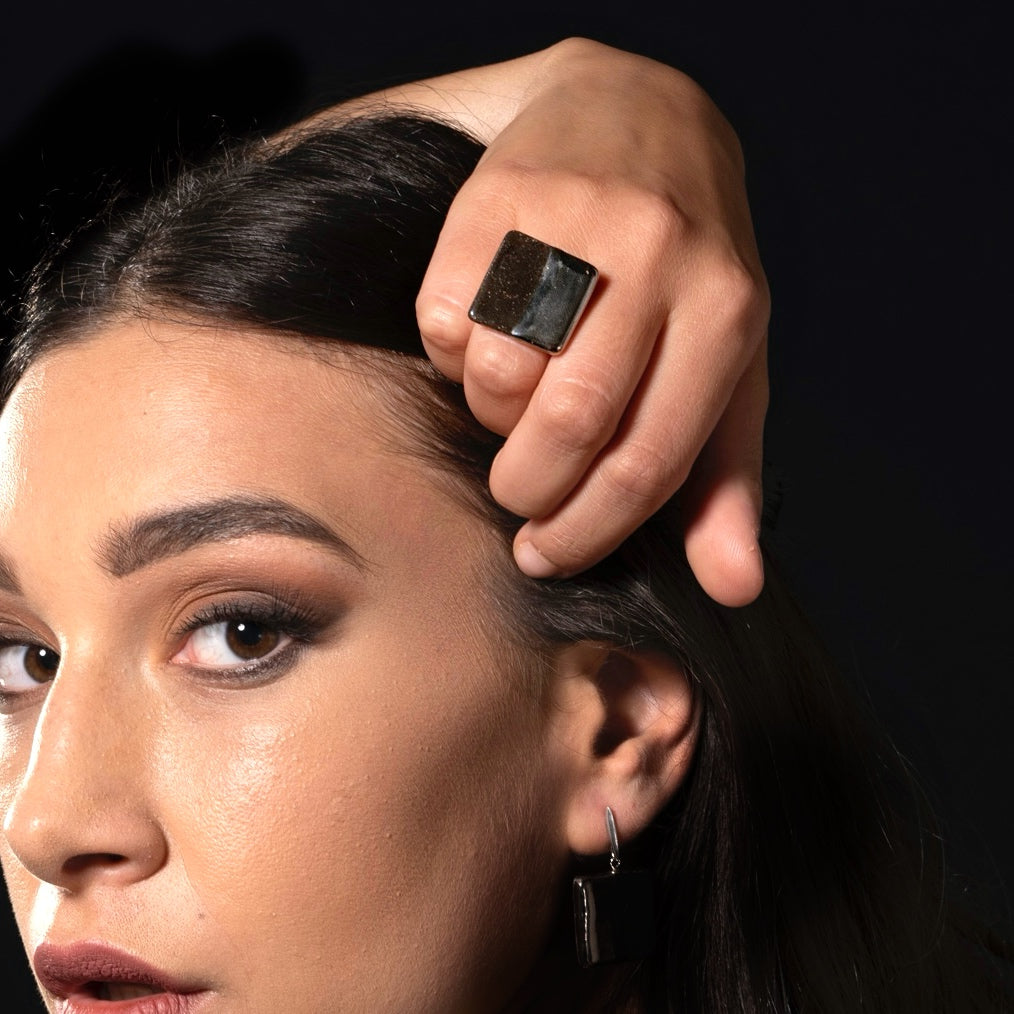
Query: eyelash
column 300, row 624
column 11, row 699
column 297, row 623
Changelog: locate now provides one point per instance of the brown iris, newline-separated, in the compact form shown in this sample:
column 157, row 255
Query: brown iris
column 248, row 639
column 41, row 663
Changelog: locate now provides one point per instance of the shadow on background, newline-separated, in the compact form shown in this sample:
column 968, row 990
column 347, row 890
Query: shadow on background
column 123, row 124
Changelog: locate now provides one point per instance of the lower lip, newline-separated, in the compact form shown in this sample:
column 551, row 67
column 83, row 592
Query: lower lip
column 157, row 1003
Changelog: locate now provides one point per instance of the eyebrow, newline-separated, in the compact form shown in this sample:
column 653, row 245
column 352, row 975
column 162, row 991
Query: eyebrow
column 152, row 537
column 8, row 577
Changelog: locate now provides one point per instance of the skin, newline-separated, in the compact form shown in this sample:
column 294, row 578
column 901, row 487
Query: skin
column 628, row 164
column 349, row 826
column 332, row 836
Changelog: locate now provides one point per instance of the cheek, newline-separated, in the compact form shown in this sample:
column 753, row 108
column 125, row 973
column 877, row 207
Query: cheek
column 381, row 814
column 15, row 751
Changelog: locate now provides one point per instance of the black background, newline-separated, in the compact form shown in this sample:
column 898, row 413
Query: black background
column 876, row 141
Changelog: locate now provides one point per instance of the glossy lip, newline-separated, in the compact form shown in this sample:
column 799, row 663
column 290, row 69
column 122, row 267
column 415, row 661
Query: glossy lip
column 65, row 971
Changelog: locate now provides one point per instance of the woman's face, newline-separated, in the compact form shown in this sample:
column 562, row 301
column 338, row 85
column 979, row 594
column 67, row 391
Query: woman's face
column 283, row 759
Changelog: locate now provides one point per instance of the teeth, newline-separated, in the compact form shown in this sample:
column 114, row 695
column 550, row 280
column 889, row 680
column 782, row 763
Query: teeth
column 124, row 991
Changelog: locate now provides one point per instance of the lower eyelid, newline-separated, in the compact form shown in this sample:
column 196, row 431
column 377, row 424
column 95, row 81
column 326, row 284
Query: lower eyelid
column 269, row 668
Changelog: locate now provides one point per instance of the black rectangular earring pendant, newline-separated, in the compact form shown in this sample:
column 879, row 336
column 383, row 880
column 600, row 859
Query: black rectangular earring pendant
column 614, row 918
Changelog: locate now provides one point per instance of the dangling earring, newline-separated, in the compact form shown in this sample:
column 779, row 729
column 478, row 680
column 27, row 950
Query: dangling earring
column 613, row 912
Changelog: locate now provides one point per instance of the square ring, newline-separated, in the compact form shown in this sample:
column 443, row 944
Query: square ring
column 534, row 291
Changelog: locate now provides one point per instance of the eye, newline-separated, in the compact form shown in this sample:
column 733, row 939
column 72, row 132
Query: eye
column 251, row 638
column 26, row 666
column 232, row 643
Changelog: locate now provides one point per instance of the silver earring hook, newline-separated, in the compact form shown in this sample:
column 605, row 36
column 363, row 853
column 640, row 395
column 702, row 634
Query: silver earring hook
column 614, row 844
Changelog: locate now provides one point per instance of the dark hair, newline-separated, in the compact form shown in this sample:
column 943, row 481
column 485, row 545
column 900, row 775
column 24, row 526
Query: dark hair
column 795, row 868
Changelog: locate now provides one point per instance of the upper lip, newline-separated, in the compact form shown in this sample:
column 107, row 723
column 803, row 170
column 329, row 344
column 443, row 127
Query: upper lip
column 65, row 970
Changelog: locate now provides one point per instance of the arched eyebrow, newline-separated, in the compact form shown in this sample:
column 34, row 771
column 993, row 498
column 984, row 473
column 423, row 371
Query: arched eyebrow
column 8, row 577
column 152, row 537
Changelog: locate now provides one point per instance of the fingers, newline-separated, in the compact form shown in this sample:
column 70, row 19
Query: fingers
column 500, row 375
column 577, row 406
column 677, row 406
column 476, row 222
column 722, row 500
column 664, row 364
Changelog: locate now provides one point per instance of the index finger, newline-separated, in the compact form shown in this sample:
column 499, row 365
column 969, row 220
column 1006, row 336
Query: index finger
column 498, row 372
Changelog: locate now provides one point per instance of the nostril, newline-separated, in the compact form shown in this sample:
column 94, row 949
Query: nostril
column 81, row 863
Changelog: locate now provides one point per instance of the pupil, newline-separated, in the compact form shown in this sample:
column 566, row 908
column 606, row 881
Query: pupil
column 248, row 639
column 41, row 664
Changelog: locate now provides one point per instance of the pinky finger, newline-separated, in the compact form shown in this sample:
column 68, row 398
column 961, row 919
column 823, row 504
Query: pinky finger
column 722, row 497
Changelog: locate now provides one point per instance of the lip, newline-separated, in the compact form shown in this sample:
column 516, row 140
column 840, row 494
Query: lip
column 66, row 971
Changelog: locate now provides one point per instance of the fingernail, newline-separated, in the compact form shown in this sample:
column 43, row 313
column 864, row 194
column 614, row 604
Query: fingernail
column 533, row 563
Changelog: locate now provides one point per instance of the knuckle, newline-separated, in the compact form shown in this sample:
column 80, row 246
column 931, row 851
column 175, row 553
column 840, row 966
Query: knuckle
column 661, row 222
column 506, row 179
column 442, row 322
column 577, row 413
column 655, row 233
column 494, row 368
column 514, row 177
column 741, row 298
column 575, row 47
column 639, row 477
column 651, row 223
column 565, row 544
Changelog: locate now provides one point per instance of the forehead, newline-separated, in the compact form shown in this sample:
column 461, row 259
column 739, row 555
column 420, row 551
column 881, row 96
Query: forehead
column 163, row 383
column 173, row 373
column 145, row 415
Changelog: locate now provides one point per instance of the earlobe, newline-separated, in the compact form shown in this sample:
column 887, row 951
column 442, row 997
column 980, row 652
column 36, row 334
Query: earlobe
column 629, row 719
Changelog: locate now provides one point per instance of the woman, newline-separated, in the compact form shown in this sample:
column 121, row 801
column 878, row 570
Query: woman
column 286, row 729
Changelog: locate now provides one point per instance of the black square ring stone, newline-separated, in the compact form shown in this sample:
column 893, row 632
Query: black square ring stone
column 533, row 291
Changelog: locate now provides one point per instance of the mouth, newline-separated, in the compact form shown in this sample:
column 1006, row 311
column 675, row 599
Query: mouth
column 127, row 998
column 90, row 978
column 118, row 991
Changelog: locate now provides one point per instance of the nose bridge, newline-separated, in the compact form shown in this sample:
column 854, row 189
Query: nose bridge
column 82, row 810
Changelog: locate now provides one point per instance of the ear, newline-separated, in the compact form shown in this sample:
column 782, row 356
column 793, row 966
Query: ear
column 628, row 722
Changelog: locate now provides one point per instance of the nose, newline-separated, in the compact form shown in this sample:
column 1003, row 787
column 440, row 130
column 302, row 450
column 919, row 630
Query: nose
column 81, row 813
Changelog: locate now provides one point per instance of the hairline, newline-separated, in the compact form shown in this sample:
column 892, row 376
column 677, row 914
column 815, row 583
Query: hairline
column 493, row 569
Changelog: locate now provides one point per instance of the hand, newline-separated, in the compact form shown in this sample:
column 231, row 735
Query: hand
column 627, row 164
